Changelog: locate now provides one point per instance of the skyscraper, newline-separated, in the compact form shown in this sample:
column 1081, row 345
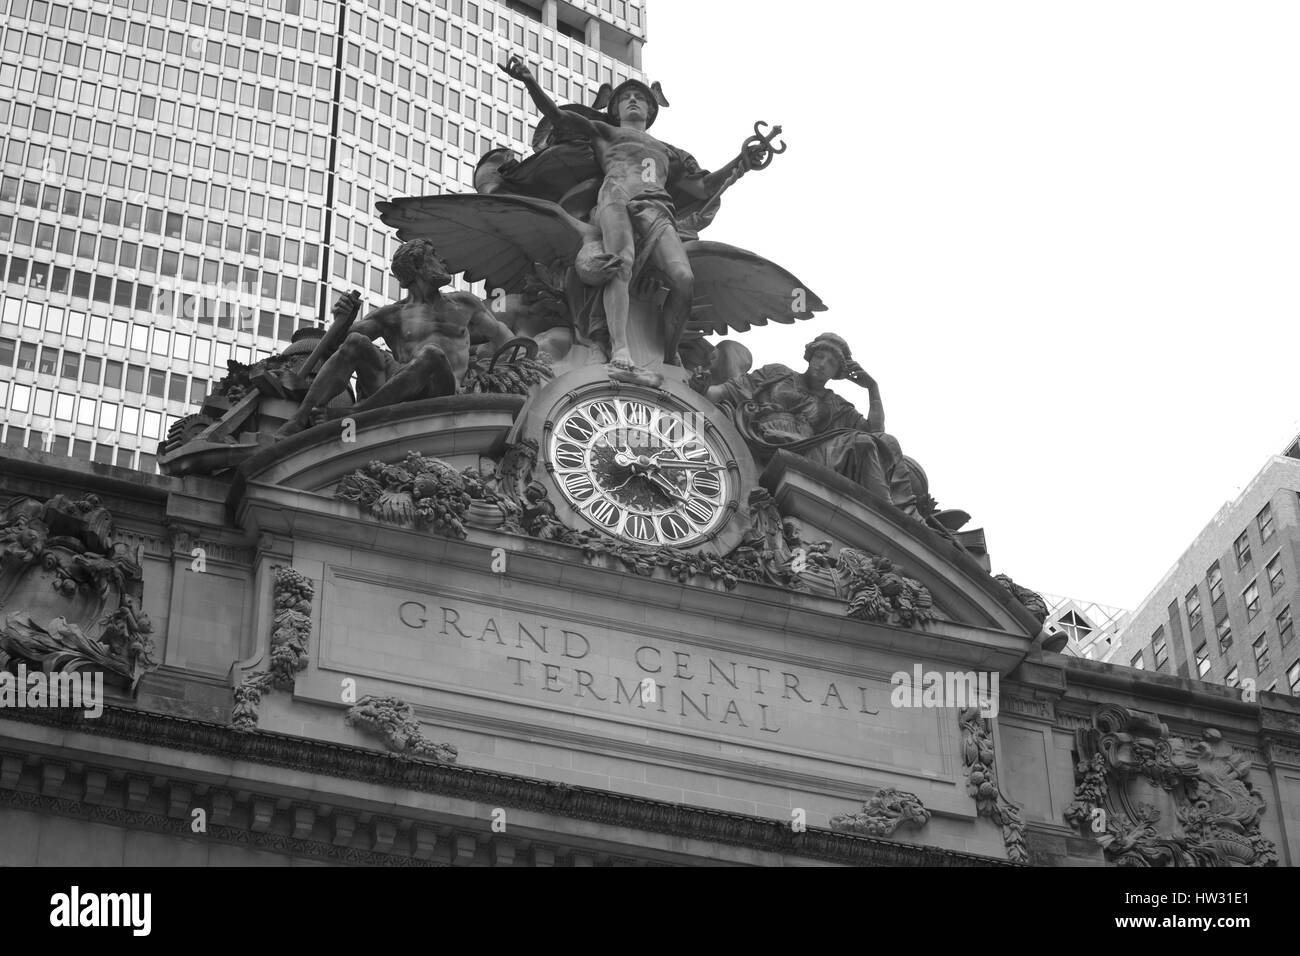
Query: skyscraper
column 1225, row 611
column 185, row 183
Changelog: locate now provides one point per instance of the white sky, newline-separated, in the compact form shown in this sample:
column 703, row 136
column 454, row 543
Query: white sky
column 1064, row 237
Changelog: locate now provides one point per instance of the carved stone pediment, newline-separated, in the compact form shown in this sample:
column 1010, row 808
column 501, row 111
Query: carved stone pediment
column 1153, row 799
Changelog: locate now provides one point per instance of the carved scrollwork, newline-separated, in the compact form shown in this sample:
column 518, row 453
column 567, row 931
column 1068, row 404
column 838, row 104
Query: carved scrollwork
column 76, row 591
column 1152, row 799
column 982, row 783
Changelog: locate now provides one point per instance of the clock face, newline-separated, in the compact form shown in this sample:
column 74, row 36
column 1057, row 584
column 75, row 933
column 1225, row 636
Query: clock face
column 641, row 471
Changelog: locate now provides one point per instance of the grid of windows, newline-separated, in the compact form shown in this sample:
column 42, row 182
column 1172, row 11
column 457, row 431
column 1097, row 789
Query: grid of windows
column 174, row 194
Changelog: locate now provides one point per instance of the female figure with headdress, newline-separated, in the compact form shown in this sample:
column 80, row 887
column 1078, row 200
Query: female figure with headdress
column 776, row 408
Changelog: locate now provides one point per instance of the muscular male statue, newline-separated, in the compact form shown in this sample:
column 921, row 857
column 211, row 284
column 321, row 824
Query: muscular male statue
column 634, row 210
column 429, row 335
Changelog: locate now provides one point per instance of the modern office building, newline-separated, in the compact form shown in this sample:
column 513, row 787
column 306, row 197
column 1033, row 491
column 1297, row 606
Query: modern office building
column 186, row 183
column 1091, row 629
column 1224, row 612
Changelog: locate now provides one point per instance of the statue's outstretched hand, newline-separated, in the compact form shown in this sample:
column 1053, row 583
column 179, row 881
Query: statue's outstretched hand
column 856, row 374
column 516, row 68
column 347, row 308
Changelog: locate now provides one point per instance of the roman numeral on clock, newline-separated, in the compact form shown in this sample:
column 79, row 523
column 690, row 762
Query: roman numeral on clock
column 605, row 512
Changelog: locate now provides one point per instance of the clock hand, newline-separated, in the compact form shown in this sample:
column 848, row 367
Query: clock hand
column 667, row 487
column 679, row 464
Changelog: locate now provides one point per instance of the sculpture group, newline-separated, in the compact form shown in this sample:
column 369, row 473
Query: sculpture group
column 590, row 253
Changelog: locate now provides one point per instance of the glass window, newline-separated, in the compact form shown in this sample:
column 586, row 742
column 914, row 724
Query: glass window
column 1264, row 521
column 63, row 407
column 160, row 338
column 1276, row 576
column 1293, row 678
column 1214, row 578
column 152, row 424
column 112, row 374
column 1260, row 648
column 1202, row 660
column 107, row 415
column 71, row 365
column 90, row 369
column 1223, row 628
column 140, row 337
column 1250, row 597
column 135, row 379
column 130, row 420
column 1284, row 626
column 20, row 397
column 176, row 389
column 1159, row 649
column 1138, row 663
column 1231, row 678
column 1193, row 604
column 85, row 411
column 157, row 383
column 1241, row 547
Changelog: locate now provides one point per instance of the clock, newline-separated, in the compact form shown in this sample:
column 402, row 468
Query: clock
column 649, row 465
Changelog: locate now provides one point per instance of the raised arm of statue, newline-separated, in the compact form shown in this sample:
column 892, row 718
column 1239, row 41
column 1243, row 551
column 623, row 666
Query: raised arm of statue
column 517, row 69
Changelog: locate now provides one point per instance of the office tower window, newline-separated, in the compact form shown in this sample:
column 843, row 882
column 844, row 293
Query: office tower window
column 1264, row 521
column 1261, row 653
column 1159, row 649
column 1223, row 627
column 1232, row 677
column 1285, row 630
column 1293, row 677
column 1138, row 662
column 1241, row 547
column 1276, row 576
column 1202, row 659
column 1250, row 597
column 1214, row 578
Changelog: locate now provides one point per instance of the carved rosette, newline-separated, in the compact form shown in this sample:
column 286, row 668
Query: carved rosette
column 982, row 783
column 392, row 720
column 290, row 632
column 1152, row 799
column 886, row 811
column 75, row 592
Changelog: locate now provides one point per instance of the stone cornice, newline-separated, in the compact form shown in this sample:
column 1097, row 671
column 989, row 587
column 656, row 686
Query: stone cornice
column 498, row 789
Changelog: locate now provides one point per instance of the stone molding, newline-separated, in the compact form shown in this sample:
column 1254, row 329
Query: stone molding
column 496, row 789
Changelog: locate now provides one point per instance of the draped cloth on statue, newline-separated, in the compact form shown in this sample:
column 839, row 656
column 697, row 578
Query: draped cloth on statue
column 774, row 409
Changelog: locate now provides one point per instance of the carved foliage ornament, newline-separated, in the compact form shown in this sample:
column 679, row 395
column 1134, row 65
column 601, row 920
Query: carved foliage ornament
column 290, row 632
column 982, row 783
column 72, row 594
column 392, row 720
column 886, row 811
column 1153, row 799
column 430, row 494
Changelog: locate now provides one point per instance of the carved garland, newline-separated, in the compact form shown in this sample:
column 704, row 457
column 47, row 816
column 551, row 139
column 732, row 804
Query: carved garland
column 886, row 811
column 290, row 632
column 392, row 720
column 429, row 494
column 982, row 783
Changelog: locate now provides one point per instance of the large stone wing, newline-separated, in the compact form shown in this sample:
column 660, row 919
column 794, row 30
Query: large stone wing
column 496, row 238
column 736, row 290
